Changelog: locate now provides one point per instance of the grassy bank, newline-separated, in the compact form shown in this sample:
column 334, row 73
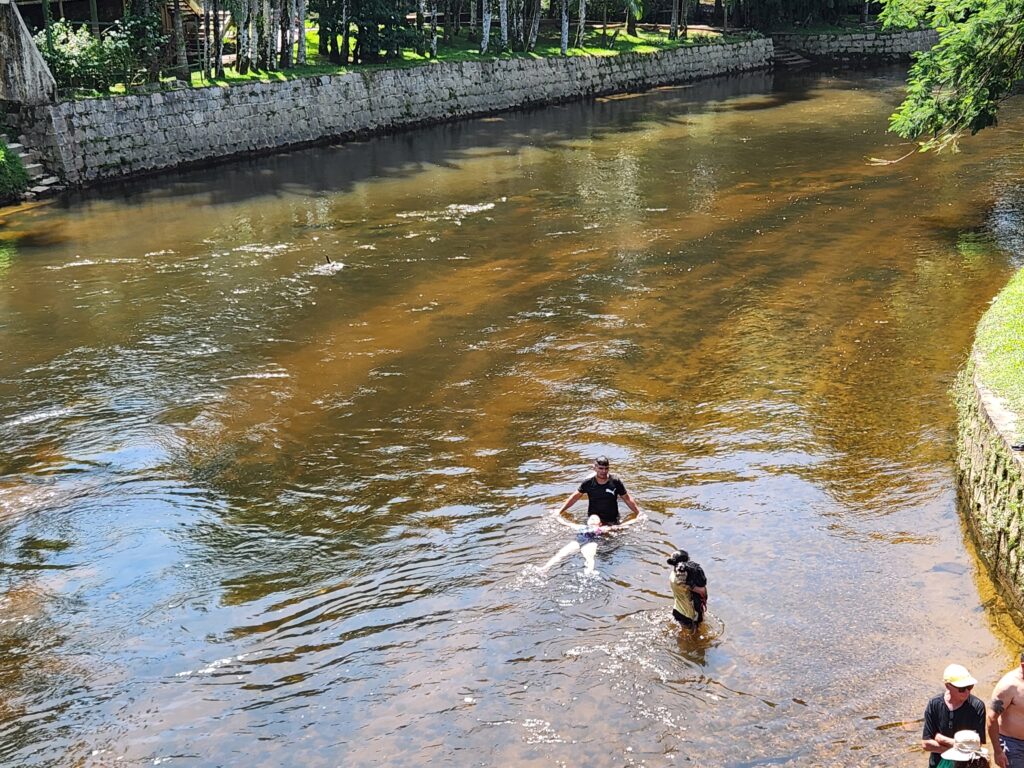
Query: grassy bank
column 597, row 42
column 999, row 345
column 13, row 178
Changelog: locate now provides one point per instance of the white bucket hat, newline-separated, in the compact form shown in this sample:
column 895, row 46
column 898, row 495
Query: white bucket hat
column 966, row 746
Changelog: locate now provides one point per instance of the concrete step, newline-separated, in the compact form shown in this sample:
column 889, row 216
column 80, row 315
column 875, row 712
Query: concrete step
column 39, row 189
column 788, row 58
column 14, row 147
column 50, row 181
column 35, row 170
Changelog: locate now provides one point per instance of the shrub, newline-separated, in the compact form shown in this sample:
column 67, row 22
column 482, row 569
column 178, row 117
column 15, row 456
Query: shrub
column 81, row 60
column 13, row 177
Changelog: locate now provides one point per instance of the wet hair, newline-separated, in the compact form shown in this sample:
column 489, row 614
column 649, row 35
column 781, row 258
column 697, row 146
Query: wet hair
column 601, row 461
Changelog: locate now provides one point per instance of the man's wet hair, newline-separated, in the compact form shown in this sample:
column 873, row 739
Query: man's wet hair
column 601, row 461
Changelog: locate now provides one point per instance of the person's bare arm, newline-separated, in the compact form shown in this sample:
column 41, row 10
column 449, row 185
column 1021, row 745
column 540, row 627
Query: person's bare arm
column 569, row 502
column 631, row 504
column 937, row 743
column 626, row 523
column 569, row 523
column 1002, row 695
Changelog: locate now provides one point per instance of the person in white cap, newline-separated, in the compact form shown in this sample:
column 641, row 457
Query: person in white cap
column 1006, row 719
column 967, row 749
column 955, row 709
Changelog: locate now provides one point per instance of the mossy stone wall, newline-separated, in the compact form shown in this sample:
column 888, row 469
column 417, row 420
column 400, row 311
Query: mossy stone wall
column 861, row 48
column 990, row 484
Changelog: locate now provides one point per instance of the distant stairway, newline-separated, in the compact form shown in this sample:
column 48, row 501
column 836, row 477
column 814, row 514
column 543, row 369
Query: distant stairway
column 791, row 59
column 41, row 183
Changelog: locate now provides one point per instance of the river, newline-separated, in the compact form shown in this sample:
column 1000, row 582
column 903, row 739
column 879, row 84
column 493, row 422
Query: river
column 279, row 440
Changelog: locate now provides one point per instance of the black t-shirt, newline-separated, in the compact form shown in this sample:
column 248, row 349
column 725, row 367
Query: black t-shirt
column 604, row 499
column 969, row 716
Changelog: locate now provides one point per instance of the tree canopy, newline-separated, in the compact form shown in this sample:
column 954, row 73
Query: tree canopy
column 959, row 84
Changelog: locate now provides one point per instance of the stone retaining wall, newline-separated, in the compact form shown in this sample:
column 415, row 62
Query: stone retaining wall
column 97, row 139
column 859, row 47
column 990, row 478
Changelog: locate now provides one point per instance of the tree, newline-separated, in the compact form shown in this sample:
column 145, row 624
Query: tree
column 959, row 84
column 634, row 12
column 565, row 27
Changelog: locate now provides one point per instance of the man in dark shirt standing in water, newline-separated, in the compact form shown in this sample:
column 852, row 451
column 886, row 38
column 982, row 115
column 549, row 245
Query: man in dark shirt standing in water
column 603, row 491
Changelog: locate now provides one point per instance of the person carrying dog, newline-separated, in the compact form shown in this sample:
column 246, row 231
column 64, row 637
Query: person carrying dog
column 690, row 589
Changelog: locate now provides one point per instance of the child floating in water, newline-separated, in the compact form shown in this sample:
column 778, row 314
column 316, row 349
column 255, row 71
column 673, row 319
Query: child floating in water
column 689, row 587
column 585, row 543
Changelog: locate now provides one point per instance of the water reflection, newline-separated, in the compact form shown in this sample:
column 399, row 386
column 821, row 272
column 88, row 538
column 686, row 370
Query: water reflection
column 276, row 458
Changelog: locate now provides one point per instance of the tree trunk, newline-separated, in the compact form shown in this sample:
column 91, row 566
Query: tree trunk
column 300, row 53
column 286, row 28
column 485, row 37
column 685, row 13
column 345, row 24
column 503, row 23
column 725, row 15
column 516, row 12
column 673, row 27
column 181, row 64
column 268, row 37
column 565, row 28
column 581, row 26
column 472, row 15
column 207, row 55
column 531, row 42
column 242, row 40
column 630, row 22
column 218, row 43
column 433, row 29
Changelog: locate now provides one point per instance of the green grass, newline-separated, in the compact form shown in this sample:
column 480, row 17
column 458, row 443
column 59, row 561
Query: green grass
column 462, row 48
column 13, row 178
column 999, row 345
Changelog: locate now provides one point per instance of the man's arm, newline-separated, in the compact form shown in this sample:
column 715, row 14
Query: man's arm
column 626, row 523
column 630, row 503
column 569, row 502
column 1002, row 695
column 569, row 524
column 931, row 739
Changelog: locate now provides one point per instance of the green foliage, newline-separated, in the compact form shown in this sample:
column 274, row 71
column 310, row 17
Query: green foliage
column 959, row 84
column 13, row 177
column 78, row 59
column 777, row 14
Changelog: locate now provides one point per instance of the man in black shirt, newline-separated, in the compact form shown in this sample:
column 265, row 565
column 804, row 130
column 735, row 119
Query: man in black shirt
column 956, row 709
column 602, row 491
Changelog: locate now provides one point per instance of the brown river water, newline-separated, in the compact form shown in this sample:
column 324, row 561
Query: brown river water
column 279, row 439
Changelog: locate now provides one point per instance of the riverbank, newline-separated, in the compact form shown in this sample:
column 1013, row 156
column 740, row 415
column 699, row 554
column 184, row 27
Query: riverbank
column 990, row 398
column 85, row 142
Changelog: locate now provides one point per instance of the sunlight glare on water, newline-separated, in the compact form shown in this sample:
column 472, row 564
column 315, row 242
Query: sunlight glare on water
column 278, row 440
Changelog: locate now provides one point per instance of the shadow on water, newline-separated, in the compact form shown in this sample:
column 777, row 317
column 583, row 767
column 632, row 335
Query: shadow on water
column 406, row 153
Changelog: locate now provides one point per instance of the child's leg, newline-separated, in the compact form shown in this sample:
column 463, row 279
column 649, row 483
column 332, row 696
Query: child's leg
column 589, row 551
column 569, row 549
